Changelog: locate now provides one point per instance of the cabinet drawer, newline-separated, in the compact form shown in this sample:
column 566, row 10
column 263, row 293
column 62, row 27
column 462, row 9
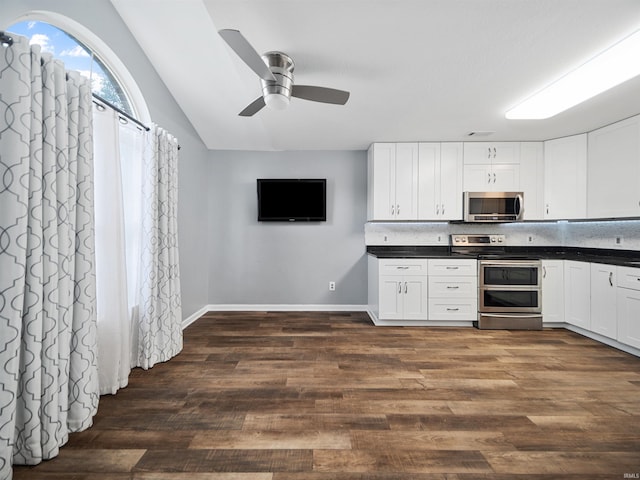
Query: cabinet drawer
column 450, row 309
column 629, row 277
column 453, row 287
column 403, row 266
column 455, row 267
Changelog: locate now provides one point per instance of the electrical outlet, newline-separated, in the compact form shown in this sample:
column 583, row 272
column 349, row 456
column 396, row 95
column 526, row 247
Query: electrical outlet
column 332, row 286
column 619, row 240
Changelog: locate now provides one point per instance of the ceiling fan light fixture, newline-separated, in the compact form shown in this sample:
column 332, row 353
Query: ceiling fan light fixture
column 277, row 101
column 611, row 67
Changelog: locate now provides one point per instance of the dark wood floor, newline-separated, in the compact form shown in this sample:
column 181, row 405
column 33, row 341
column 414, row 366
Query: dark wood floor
column 321, row 396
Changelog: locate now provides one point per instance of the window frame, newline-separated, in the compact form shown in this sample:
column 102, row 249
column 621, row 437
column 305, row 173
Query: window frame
column 101, row 50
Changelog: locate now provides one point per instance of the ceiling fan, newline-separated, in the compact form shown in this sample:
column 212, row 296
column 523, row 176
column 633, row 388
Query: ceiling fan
column 275, row 70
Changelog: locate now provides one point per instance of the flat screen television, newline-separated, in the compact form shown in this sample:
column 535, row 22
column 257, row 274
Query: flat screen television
column 292, row 200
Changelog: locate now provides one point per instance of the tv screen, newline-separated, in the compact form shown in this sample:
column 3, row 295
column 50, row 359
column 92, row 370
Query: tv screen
column 292, row 200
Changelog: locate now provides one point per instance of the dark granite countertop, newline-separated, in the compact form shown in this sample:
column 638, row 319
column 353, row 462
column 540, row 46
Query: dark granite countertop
column 629, row 258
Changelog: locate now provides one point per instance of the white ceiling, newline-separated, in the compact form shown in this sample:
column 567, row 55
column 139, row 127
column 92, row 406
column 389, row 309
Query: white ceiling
column 417, row 70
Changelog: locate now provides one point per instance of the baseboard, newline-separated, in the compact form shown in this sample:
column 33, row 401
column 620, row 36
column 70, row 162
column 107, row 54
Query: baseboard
column 192, row 318
column 284, row 308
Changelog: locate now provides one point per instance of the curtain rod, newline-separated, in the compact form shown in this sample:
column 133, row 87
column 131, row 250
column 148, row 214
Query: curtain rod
column 122, row 112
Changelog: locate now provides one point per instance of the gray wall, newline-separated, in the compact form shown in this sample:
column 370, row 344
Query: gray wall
column 101, row 18
column 257, row 263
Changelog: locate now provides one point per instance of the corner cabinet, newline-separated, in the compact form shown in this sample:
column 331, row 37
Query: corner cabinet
column 614, row 170
column 577, row 291
column 565, row 178
column 392, row 181
column 440, row 181
column 491, row 167
column 628, row 306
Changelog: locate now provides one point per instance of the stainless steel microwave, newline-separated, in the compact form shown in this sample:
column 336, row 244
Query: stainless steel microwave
column 493, row 207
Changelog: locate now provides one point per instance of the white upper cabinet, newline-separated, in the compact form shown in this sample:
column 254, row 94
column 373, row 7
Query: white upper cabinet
column 565, row 178
column 392, row 181
column 491, row 167
column 613, row 188
column 440, row 181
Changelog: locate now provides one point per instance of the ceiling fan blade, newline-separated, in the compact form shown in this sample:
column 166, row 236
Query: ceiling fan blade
column 253, row 108
column 247, row 53
column 320, row 94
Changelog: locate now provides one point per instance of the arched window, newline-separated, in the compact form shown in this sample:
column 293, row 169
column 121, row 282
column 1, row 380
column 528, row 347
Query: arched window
column 80, row 49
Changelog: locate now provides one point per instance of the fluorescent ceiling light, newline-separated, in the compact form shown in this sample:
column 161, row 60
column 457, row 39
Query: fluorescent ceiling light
column 615, row 65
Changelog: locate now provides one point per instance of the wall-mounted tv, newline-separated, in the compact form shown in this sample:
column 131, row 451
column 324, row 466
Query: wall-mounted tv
column 292, row 200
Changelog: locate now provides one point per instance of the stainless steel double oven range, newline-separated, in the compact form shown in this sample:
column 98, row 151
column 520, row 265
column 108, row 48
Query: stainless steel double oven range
column 509, row 286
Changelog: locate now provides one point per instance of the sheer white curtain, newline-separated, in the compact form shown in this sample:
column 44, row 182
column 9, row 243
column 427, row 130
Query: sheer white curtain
column 118, row 156
column 139, row 307
column 48, row 371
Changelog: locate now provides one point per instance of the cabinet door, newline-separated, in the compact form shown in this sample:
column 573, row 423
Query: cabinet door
column 532, row 179
column 429, row 181
column 577, row 278
column 505, row 152
column 406, row 181
column 603, row 300
column 614, row 170
column 506, row 177
column 414, row 298
column 478, row 153
column 390, row 297
column 450, row 185
column 552, row 291
column 565, row 178
column 629, row 317
column 477, row 178
column 382, row 178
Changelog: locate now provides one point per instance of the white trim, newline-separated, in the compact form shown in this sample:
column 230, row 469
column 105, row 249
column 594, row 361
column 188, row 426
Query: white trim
column 284, row 308
column 192, row 318
column 101, row 49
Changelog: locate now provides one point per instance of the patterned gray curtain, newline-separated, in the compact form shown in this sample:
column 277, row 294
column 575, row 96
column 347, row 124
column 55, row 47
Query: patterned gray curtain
column 158, row 334
column 48, row 365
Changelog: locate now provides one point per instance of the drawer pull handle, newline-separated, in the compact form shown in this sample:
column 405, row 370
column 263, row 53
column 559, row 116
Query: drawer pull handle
column 403, row 268
column 452, row 309
column 453, row 287
column 452, row 268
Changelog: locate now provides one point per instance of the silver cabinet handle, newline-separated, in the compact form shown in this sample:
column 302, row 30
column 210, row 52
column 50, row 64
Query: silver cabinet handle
column 399, row 287
column 405, row 267
column 437, row 209
column 452, row 309
column 544, row 272
column 452, row 268
column 494, row 178
column 393, row 210
column 398, row 209
column 442, row 209
column 453, row 287
column 489, row 152
column 405, row 287
column 494, row 152
column 489, row 179
column 547, row 208
column 611, row 278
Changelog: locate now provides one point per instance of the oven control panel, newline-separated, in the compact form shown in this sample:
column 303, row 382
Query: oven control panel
column 459, row 240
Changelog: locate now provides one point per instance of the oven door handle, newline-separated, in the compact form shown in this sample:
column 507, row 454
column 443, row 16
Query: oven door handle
column 502, row 263
column 518, row 203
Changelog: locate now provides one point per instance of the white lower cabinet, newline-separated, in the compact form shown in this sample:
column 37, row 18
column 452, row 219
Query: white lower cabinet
column 402, row 289
column 453, row 290
column 603, row 300
column 577, row 280
column 628, row 306
column 552, row 291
